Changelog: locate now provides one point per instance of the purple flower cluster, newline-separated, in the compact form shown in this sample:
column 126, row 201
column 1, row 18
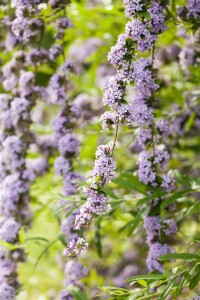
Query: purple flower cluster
column 155, row 251
column 17, row 172
column 140, row 34
column 15, row 120
column 148, row 165
column 68, row 146
column 142, row 76
column 156, row 229
column 25, row 25
column 104, row 166
column 75, row 247
column 132, row 7
column 14, row 200
column 97, row 202
column 194, row 9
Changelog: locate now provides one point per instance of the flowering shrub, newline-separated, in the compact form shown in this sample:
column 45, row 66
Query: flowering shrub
column 99, row 152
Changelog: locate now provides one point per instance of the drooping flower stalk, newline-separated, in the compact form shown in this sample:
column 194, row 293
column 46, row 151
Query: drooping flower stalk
column 68, row 146
column 16, row 171
column 64, row 123
column 140, row 36
column 153, row 158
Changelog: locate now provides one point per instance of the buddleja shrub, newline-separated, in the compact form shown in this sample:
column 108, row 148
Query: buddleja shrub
column 136, row 211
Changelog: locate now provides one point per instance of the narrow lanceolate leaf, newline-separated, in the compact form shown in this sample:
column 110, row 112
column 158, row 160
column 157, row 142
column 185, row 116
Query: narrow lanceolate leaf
column 21, row 235
column 130, row 182
column 98, row 241
column 167, row 289
column 135, row 224
column 195, row 279
column 46, row 249
column 77, row 294
column 185, row 256
column 175, row 196
column 11, row 247
column 148, row 277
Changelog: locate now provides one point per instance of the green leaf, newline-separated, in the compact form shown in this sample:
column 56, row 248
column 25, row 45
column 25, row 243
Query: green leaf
column 148, row 277
column 195, row 280
column 195, row 208
column 142, row 282
column 130, row 182
column 98, row 240
column 46, row 249
column 115, row 290
column 77, row 293
column 21, row 235
column 62, row 239
column 10, row 246
column 37, row 239
column 166, row 290
column 184, row 256
column 190, row 121
column 135, row 223
column 173, row 6
column 174, row 197
column 109, row 192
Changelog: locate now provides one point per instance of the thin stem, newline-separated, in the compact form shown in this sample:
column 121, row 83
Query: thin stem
column 116, row 133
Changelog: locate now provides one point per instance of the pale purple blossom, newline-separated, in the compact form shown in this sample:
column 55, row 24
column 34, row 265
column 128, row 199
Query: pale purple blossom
column 143, row 77
column 157, row 22
column 155, row 251
column 7, row 292
column 114, row 93
column 117, row 54
column 20, row 110
column 163, row 128
column 132, row 7
column 194, row 9
column 144, row 137
column 139, row 32
column 75, row 247
column 69, row 145
column 146, row 171
column 62, row 166
column 9, row 229
column 168, row 183
column 152, row 224
column 104, row 166
column 171, row 227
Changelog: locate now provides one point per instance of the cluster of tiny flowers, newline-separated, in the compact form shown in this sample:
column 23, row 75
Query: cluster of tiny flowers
column 68, row 147
column 25, row 25
column 75, row 247
column 155, row 251
column 56, row 89
column 74, row 272
column 17, row 172
column 194, row 9
column 148, row 164
column 141, row 34
column 97, row 201
column 14, row 200
column 132, row 7
column 156, row 229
